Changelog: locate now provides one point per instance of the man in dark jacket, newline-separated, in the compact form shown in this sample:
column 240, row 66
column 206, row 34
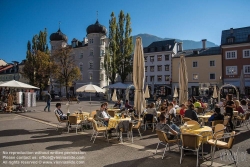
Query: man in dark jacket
column 47, row 100
column 217, row 115
column 190, row 113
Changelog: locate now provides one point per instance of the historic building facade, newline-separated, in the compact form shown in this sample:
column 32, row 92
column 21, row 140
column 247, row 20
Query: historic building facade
column 158, row 66
column 88, row 55
column 203, row 68
column 235, row 46
column 11, row 71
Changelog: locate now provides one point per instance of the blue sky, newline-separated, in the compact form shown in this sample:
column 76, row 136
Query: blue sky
column 20, row 20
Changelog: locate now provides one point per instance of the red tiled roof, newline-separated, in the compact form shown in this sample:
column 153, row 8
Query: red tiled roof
column 2, row 68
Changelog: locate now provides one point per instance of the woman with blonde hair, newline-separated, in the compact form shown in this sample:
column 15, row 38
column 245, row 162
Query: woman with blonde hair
column 238, row 107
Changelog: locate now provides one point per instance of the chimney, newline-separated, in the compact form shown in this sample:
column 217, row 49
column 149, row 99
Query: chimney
column 231, row 30
column 204, row 43
column 180, row 47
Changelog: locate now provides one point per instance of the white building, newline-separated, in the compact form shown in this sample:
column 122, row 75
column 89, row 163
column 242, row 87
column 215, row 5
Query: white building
column 158, row 65
column 88, row 55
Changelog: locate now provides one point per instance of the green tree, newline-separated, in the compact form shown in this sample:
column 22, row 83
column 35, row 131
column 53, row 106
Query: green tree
column 37, row 65
column 110, row 56
column 125, row 46
column 64, row 69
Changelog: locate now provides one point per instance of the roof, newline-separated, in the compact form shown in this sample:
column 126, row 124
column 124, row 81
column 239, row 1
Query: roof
column 200, row 52
column 240, row 35
column 2, row 62
column 2, row 68
column 166, row 45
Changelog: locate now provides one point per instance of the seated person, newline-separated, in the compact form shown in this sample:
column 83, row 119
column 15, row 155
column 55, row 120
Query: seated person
column 182, row 110
column 171, row 110
column 103, row 115
column 128, row 106
column 170, row 130
column 151, row 113
column 238, row 107
column 217, row 115
column 118, row 104
column 175, row 104
column 190, row 113
column 202, row 104
column 244, row 105
column 59, row 112
column 197, row 104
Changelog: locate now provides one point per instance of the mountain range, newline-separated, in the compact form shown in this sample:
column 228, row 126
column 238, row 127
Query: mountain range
column 147, row 39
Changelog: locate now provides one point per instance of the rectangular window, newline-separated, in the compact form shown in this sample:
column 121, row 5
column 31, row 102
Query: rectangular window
column 152, row 78
column 246, row 69
column 152, row 58
column 146, row 68
column 212, row 76
column 159, row 78
column 230, row 40
column 152, row 68
column 159, row 68
column 231, row 70
column 212, row 63
column 90, row 65
column 146, row 79
column 246, row 53
column 146, row 58
column 195, row 76
column 166, row 67
column 195, row 64
column 102, row 53
column 102, row 41
column 91, row 53
column 159, row 57
column 231, row 54
column 167, row 77
column 166, row 57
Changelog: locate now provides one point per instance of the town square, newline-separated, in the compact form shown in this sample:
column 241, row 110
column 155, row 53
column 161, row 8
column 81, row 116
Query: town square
column 125, row 83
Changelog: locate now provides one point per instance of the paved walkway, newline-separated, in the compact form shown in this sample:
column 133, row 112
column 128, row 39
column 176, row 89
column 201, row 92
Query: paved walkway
column 140, row 153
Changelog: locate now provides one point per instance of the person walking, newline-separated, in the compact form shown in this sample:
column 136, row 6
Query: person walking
column 47, row 100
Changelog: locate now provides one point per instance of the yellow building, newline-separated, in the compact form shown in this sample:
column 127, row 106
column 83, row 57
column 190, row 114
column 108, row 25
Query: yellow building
column 204, row 67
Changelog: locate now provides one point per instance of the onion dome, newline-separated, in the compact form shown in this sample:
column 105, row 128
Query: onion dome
column 58, row 36
column 96, row 28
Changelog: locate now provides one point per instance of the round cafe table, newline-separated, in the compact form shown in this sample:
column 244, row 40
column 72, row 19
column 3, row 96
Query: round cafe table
column 113, row 122
column 204, row 118
column 206, row 132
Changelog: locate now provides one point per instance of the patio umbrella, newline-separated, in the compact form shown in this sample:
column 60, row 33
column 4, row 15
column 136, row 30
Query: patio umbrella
column 242, row 83
column 91, row 89
column 146, row 94
column 17, row 84
column 183, row 81
column 138, row 76
column 215, row 94
column 175, row 92
column 114, row 97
